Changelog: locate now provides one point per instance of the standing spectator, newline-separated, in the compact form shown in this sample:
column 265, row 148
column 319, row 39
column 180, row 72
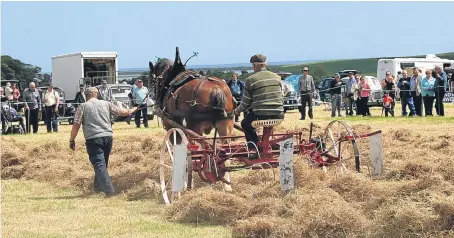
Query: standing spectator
column 94, row 116
column 351, row 84
column 139, row 94
column 51, row 101
column 16, row 93
column 387, row 104
column 336, row 96
column 405, row 95
column 236, row 87
column 8, row 91
column 441, row 79
column 32, row 101
column 428, row 92
column 364, row 92
column 80, row 96
column 306, row 87
column 357, row 96
column 415, row 90
column 383, row 81
column 390, row 87
column 104, row 91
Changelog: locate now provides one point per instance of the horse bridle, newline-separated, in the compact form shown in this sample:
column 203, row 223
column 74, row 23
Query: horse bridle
column 162, row 74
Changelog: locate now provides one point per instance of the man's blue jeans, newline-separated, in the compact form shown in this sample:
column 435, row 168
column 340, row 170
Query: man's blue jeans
column 336, row 101
column 144, row 110
column 98, row 152
column 408, row 101
column 51, row 118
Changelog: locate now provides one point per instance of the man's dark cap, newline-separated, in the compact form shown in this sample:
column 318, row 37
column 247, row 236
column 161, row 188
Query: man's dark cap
column 139, row 80
column 258, row 58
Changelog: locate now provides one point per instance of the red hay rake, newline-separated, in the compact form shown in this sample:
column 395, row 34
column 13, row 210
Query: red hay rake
column 212, row 158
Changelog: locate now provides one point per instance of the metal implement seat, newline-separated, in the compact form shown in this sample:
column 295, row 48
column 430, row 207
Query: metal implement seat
column 266, row 123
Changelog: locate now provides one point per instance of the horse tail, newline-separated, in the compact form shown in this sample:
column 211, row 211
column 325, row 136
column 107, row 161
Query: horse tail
column 218, row 100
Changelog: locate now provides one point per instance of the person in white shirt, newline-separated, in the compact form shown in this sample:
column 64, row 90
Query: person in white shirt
column 9, row 91
column 51, row 101
column 104, row 91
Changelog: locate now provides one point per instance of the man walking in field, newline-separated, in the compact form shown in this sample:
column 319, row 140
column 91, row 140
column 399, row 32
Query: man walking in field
column 306, row 87
column 94, row 116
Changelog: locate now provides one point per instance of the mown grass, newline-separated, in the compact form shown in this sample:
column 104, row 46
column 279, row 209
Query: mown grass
column 46, row 188
column 36, row 209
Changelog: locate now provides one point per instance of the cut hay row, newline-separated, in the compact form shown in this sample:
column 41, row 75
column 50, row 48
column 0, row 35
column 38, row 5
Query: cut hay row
column 414, row 198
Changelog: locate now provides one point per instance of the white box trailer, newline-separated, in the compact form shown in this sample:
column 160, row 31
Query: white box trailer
column 396, row 65
column 69, row 71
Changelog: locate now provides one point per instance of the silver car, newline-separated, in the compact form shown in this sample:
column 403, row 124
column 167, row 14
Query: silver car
column 376, row 94
column 118, row 94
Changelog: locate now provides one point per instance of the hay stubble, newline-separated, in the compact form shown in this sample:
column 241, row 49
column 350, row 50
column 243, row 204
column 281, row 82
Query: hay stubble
column 415, row 197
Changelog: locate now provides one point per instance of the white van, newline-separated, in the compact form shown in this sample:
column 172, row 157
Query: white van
column 396, row 65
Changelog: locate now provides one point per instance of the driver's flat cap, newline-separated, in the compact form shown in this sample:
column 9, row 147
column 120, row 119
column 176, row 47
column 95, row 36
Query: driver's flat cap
column 258, row 58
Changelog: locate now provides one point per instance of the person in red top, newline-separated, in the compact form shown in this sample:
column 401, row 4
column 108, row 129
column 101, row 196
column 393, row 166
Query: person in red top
column 364, row 90
column 387, row 104
column 16, row 93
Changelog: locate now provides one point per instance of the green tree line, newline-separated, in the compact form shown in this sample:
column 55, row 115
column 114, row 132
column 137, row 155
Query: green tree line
column 14, row 69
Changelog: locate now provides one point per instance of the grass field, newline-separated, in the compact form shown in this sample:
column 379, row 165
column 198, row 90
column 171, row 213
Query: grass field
column 46, row 188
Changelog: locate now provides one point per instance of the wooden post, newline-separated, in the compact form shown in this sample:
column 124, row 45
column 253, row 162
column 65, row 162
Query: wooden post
column 286, row 165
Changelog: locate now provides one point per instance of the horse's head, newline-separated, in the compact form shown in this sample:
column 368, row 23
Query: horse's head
column 159, row 70
column 165, row 69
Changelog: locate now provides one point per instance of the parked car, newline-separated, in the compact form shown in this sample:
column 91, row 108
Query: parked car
column 118, row 94
column 323, row 88
column 376, row 94
column 66, row 111
column 291, row 97
column 375, row 98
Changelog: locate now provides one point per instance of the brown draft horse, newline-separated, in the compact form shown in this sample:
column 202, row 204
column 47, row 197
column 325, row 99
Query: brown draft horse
column 203, row 102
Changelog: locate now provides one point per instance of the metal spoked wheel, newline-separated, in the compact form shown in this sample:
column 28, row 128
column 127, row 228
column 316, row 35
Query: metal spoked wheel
column 173, row 137
column 336, row 144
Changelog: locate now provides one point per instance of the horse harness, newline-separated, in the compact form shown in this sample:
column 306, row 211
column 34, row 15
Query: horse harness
column 180, row 80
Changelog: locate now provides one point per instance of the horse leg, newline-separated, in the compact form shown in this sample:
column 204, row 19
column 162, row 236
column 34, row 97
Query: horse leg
column 199, row 127
column 225, row 128
column 167, row 126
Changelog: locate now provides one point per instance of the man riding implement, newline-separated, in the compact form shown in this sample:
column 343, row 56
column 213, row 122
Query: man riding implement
column 262, row 98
